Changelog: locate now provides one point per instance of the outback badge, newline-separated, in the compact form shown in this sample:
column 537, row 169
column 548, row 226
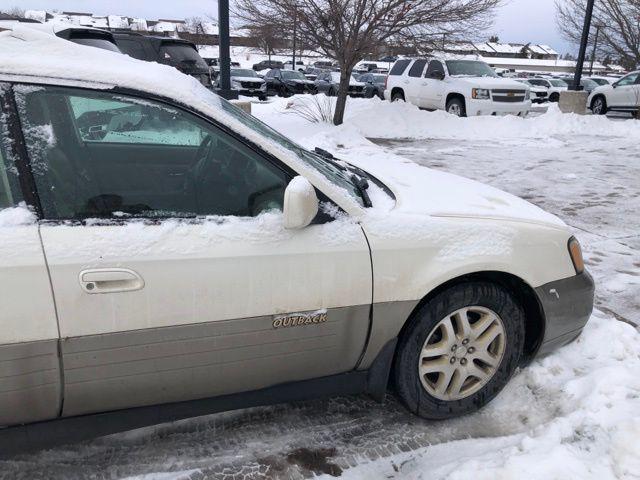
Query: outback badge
column 299, row 319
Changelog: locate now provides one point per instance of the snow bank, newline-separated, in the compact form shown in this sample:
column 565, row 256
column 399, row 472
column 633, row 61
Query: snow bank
column 16, row 216
column 594, row 434
column 373, row 118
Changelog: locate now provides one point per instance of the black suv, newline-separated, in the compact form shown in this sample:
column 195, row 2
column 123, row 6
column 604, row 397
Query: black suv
column 175, row 52
column 266, row 64
column 288, row 82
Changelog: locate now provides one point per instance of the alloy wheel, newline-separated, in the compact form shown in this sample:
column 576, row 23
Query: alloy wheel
column 454, row 109
column 462, row 353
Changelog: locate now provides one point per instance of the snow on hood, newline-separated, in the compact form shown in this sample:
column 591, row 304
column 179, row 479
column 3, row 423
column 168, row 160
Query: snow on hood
column 248, row 79
column 422, row 190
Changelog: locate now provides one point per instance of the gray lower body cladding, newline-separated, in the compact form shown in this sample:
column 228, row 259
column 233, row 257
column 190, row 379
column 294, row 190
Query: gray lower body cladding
column 567, row 305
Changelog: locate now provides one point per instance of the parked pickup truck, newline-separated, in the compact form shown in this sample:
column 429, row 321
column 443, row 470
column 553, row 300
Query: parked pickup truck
column 461, row 87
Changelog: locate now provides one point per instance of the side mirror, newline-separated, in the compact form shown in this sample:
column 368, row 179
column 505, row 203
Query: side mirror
column 300, row 204
column 614, row 84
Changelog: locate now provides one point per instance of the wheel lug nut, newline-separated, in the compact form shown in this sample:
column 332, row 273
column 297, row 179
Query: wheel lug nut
column 453, row 360
column 465, row 341
column 454, row 348
column 463, row 361
column 471, row 350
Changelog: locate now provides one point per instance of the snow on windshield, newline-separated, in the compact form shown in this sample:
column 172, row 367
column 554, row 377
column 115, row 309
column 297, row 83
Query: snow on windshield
column 469, row 68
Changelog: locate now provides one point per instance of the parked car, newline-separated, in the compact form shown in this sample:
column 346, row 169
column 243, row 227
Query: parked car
column 180, row 54
column 622, row 96
column 460, row 87
column 365, row 67
column 554, row 86
column 300, row 66
column 247, row 82
column 324, row 64
column 268, row 65
column 312, row 73
column 604, row 80
column 374, row 84
column 89, row 36
column 586, row 84
column 329, row 84
column 538, row 94
column 171, row 256
column 287, row 82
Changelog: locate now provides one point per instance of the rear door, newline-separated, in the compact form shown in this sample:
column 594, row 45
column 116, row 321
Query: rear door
column 158, row 303
column 30, row 387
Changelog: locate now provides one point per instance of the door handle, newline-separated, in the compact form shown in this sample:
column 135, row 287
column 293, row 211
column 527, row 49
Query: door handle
column 110, row 280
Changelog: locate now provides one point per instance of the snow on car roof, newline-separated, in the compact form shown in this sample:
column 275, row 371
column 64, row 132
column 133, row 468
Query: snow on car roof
column 31, row 56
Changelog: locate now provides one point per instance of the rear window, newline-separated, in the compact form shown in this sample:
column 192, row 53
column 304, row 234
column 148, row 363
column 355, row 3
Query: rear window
column 399, row 67
column 417, row 68
column 181, row 54
column 132, row 48
column 93, row 40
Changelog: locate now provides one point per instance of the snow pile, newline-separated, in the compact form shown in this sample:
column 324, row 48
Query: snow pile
column 373, row 118
column 594, row 434
column 16, row 216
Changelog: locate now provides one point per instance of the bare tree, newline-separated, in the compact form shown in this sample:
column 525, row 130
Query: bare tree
column 269, row 37
column 348, row 30
column 620, row 36
column 195, row 25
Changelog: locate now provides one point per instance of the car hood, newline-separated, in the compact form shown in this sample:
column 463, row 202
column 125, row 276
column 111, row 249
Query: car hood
column 491, row 82
column 248, row 79
column 421, row 190
column 305, row 82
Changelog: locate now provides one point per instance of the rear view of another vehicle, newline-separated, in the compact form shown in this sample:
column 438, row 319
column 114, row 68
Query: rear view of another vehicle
column 180, row 54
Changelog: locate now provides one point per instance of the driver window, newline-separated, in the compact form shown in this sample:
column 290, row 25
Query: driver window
column 98, row 154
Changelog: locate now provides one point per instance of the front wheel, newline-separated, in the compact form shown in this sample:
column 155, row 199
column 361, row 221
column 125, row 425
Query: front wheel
column 456, row 107
column 599, row 106
column 459, row 350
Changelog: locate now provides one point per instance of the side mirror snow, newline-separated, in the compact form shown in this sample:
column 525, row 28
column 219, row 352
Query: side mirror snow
column 300, row 203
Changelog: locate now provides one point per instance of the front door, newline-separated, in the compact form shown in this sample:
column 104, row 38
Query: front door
column 434, row 86
column 625, row 93
column 173, row 275
column 30, row 387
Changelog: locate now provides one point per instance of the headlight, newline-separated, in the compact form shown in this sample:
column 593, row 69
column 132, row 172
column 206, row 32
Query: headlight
column 527, row 95
column 235, row 84
column 480, row 94
column 575, row 251
column 263, row 86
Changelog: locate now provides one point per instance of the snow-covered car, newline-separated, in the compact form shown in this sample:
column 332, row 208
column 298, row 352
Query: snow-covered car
column 165, row 255
column 621, row 96
column 300, row 66
column 329, row 84
column 554, row 86
column 288, row 82
column 538, row 94
column 458, row 86
column 247, row 82
column 604, row 80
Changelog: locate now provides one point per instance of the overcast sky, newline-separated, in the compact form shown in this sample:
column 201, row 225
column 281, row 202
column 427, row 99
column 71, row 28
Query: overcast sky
column 520, row 21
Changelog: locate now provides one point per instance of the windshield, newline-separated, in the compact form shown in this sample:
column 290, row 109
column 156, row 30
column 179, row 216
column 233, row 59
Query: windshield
column 558, row 83
column 97, row 42
column 470, row 68
column 334, row 174
column 181, row 53
column 243, row 72
column 599, row 81
column 588, row 83
column 293, row 75
column 379, row 78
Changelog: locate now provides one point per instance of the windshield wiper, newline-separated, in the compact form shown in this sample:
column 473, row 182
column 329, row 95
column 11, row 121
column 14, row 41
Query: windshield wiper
column 359, row 182
column 362, row 185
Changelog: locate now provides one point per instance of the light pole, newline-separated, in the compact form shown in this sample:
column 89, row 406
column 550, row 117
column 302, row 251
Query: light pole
column 583, row 46
column 295, row 26
column 224, row 89
column 595, row 48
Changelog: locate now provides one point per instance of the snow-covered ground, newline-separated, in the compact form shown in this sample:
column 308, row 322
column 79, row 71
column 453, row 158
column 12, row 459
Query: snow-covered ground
column 572, row 415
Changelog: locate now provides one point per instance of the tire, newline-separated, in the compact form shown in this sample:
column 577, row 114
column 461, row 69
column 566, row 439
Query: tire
column 397, row 97
column 262, row 98
column 430, row 395
column 599, row 105
column 331, row 92
column 555, row 97
column 456, row 107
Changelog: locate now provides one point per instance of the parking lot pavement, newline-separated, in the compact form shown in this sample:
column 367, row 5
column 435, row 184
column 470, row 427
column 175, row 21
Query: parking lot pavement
column 591, row 182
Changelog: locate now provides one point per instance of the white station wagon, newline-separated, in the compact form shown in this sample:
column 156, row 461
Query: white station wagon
column 164, row 255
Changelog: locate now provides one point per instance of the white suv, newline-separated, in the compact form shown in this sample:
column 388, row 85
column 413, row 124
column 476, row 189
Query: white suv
column 622, row 96
column 554, row 86
column 461, row 87
column 165, row 255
